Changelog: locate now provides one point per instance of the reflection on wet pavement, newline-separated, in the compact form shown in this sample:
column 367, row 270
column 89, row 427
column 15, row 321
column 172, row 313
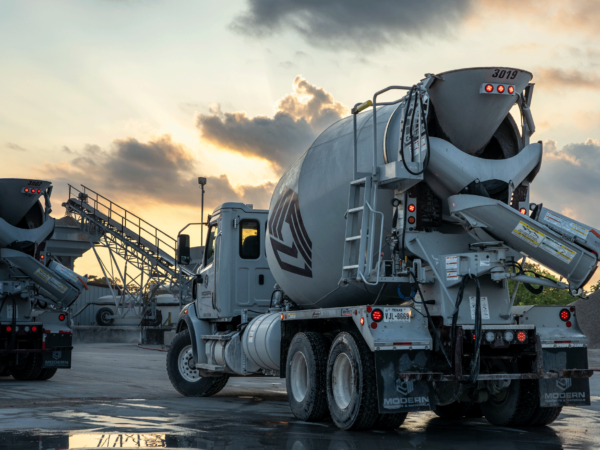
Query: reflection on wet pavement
column 422, row 431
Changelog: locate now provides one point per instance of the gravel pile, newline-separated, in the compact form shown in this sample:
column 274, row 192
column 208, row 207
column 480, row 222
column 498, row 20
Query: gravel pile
column 588, row 317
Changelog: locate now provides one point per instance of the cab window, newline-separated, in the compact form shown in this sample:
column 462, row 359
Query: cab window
column 249, row 239
column 210, row 245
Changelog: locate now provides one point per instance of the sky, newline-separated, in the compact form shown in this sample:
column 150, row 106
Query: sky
column 137, row 98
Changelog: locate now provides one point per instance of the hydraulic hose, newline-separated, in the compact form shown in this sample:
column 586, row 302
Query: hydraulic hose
column 436, row 333
column 408, row 103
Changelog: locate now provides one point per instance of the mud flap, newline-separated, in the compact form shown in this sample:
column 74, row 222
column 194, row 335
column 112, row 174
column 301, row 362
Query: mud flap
column 564, row 391
column 58, row 355
column 395, row 396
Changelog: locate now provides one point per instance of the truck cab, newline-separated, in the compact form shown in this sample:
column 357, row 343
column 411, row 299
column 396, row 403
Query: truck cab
column 235, row 241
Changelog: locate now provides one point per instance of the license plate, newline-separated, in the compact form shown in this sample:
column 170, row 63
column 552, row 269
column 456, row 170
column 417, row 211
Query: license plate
column 396, row 314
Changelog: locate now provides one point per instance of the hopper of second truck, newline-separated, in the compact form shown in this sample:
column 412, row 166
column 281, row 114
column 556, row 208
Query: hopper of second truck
column 35, row 289
column 377, row 282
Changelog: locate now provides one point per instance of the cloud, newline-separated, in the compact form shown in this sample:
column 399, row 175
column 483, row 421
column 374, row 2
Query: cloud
column 15, row 147
column 159, row 171
column 568, row 181
column 298, row 120
column 555, row 78
column 352, row 24
column 287, row 65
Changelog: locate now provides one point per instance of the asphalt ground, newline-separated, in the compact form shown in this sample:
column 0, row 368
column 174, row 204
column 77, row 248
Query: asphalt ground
column 119, row 396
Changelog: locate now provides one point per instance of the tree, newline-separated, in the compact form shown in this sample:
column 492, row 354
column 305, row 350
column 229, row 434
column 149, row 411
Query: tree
column 549, row 296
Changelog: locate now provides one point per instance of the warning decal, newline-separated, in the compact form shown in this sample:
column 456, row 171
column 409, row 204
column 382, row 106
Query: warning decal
column 546, row 243
column 43, row 274
column 452, row 275
column 451, row 262
column 485, row 308
column 555, row 248
column 528, row 234
column 566, row 224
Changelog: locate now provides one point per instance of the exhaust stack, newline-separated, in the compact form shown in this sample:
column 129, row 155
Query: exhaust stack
column 467, row 113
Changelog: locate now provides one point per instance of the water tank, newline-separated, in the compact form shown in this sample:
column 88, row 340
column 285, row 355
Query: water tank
column 306, row 227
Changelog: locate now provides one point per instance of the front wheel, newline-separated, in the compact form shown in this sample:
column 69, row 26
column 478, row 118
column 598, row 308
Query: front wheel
column 184, row 375
column 103, row 317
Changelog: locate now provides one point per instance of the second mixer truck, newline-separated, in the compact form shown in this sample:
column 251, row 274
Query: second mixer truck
column 390, row 243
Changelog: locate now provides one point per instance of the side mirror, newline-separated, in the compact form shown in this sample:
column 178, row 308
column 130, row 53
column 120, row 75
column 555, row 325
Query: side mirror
column 183, row 249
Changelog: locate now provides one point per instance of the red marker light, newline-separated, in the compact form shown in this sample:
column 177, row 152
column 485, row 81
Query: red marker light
column 9, row 328
column 374, row 325
column 411, row 208
column 411, row 220
column 42, row 257
column 521, row 336
column 34, row 329
column 39, row 191
column 523, row 211
column 61, row 317
column 511, row 89
column 362, row 320
column 369, row 309
column 377, row 315
column 568, row 324
column 489, row 88
column 26, row 189
column 565, row 315
column 500, row 88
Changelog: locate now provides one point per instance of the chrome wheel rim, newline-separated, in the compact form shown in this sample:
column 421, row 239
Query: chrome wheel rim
column 342, row 382
column 299, row 376
column 185, row 362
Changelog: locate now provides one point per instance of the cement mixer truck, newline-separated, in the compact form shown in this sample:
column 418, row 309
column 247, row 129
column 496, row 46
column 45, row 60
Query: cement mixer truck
column 35, row 289
column 377, row 283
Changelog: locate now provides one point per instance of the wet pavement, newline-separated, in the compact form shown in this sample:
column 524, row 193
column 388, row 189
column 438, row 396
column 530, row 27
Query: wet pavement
column 118, row 396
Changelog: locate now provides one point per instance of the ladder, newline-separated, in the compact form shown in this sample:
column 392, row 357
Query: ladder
column 139, row 244
column 359, row 262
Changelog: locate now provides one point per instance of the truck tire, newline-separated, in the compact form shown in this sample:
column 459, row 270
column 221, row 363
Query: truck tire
column 102, row 319
column 185, row 379
column 454, row 410
column 29, row 367
column 46, row 374
column 544, row 416
column 351, row 383
column 306, row 376
column 514, row 406
column 387, row 422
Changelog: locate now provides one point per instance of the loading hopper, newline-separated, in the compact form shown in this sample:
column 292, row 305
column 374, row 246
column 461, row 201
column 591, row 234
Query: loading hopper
column 467, row 116
column 15, row 204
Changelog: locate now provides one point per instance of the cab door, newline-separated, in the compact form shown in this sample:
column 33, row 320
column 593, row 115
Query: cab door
column 206, row 301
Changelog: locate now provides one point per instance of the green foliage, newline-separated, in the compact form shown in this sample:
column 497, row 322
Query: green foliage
column 549, row 296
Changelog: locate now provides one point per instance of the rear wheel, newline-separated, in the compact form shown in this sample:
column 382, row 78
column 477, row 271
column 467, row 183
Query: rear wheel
column 351, row 384
column 46, row 374
column 513, row 405
column 544, row 416
column 103, row 317
column 184, row 375
column 306, row 371
column 28, row 366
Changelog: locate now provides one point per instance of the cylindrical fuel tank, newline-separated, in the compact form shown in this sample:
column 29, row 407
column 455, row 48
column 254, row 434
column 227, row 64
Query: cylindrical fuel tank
column 261, row 341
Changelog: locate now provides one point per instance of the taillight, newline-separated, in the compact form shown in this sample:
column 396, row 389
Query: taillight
column 411, row 220
column 521, row 336
column 523, row 211
column 565, row 315
column 62, row 317
column 9, row 328
column 411, row 208
column 377, row 315
column 34, row 328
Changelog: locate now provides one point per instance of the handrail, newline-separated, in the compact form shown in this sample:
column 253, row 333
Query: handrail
column 154, row 233
column 379, row 252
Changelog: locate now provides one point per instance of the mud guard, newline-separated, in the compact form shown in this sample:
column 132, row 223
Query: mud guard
column 564, row 391
column 393, row 395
